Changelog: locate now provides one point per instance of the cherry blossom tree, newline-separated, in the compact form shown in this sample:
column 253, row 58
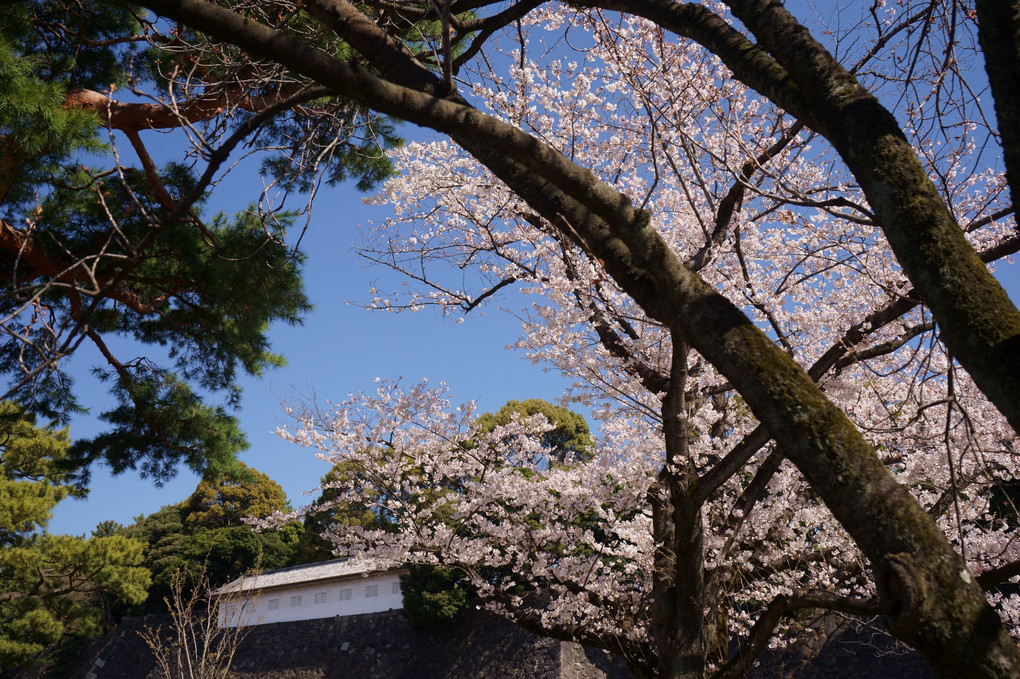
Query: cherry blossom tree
column 762, row 253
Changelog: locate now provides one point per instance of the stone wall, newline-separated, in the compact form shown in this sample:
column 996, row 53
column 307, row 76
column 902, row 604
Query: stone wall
column 480, row 645
column 475, row 645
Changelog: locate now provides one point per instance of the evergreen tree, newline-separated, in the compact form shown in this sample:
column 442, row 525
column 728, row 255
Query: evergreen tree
column 433, row 595
column 568, row 439
column 329, row 510
column 234, row 496
column 52, row 586
column 206, row 533
column 96, row 248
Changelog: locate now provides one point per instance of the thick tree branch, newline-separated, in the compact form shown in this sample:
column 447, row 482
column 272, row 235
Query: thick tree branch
column 135, row 116
column 999, row 33
column 713, row 479
column 884, row 348
column 384, row 53
column 994, row 577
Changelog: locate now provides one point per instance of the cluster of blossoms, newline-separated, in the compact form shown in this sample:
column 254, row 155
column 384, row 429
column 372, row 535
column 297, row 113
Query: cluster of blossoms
column 521, row 521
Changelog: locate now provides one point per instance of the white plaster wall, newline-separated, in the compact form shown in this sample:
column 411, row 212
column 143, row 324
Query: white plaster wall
column 358, row 603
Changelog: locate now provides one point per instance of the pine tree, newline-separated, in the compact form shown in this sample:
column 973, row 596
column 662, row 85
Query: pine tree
column 51, row 586
column 96, row 248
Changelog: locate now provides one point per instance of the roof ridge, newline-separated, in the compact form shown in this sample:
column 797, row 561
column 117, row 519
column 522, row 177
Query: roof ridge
column 348, row 567
column 306, row 565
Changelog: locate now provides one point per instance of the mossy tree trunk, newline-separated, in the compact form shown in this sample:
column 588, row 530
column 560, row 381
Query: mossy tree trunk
column 999, row 33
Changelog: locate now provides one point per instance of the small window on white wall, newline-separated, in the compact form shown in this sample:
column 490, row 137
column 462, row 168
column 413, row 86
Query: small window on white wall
column 274, row 604
column 320, row 597
column 345, row 594
column 396, row 588
column 372, row 590
column 295, row 601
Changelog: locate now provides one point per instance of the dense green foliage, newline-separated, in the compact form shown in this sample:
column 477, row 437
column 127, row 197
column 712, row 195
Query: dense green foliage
column 52, row 586
column 227, row 501
column 38, row 134
column 433, row 595
column 206, row 533
column 326, row 511
column 569, row 439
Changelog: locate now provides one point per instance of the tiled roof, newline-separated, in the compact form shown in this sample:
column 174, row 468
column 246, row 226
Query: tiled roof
column 313, row 572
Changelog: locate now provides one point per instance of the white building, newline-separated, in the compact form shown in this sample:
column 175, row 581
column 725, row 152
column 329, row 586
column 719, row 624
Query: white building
column 318, row 590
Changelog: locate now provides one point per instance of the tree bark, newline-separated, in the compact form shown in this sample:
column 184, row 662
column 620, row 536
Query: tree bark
column 678, row 589
column 999, row 33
